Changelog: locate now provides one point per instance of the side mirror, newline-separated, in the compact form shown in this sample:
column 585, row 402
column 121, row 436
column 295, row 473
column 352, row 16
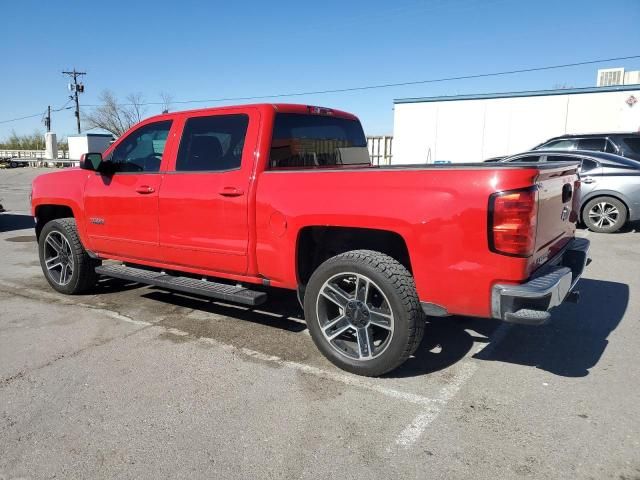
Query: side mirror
column 91, row 161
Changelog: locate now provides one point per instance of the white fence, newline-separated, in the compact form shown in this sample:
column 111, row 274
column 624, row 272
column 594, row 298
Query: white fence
column 35, row 158
column 380, row 149
column 27, row 154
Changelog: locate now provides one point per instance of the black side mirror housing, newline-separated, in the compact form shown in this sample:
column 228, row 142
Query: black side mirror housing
column 91, row 161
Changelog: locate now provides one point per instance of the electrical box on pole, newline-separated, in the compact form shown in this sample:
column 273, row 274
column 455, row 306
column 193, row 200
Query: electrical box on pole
column 76, row 88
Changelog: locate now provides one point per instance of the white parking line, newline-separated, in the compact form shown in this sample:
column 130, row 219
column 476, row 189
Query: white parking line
column 412, row 432
column 345, row 378
column 431, row 407
column 416, row 428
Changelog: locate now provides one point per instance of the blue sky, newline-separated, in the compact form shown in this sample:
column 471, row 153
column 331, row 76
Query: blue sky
column 200, row 50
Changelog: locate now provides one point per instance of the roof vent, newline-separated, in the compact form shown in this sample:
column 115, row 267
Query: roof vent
column 610, row 76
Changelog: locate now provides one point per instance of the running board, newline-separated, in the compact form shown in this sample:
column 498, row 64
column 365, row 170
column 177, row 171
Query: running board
column 220, row 291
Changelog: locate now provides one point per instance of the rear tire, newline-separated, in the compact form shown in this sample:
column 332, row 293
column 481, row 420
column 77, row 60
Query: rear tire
column 363, row 312
column 65, row 263
column 604, row 214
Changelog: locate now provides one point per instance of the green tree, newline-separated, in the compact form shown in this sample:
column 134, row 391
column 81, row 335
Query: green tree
column 34, row 141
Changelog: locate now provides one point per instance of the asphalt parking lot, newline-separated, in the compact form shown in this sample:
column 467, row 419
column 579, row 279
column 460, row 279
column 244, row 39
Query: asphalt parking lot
column 134, row 382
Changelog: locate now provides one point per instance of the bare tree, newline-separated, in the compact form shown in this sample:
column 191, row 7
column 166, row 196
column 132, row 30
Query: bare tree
column 115, row 117
column 167, row 100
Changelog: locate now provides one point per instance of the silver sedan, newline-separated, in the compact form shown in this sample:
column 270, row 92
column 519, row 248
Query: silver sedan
column 610, row 185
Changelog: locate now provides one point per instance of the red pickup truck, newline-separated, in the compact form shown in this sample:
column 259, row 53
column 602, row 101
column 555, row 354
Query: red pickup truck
column 225, row 202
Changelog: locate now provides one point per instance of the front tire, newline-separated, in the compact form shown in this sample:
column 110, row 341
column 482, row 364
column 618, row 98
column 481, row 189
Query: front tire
column 363, row 312
column 65, row 263
column 604, row 214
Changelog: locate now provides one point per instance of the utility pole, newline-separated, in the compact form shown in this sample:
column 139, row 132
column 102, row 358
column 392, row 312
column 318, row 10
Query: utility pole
column 47, row 120
column 76, row 88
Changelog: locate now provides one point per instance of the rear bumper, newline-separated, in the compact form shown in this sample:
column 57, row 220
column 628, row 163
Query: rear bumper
column 529, row 303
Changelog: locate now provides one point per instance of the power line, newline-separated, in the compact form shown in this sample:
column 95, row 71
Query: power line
column 21, row 118
column 367, row 87
column 389, row 85
column 64, row 107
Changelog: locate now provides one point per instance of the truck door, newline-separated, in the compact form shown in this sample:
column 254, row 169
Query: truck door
column 121, row 208
column 204, row 199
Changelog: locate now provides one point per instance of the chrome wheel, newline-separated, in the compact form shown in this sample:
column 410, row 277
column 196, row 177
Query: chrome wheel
column 604, row 214
column 355, row 316
column 58, row 258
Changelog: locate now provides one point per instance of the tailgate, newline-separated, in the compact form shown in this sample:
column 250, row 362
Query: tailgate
column 558, row 212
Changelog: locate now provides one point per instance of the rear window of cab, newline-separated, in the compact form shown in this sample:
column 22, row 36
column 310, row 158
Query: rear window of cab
column 313, row 141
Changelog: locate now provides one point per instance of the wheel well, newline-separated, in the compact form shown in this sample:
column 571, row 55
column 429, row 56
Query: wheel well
column 46, row 213
column 317, row 244
column 584, row 204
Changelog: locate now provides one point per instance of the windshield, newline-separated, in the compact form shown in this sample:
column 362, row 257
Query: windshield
column 301, row 140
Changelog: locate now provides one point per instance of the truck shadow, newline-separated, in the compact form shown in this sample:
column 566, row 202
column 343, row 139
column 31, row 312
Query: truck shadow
column 281, row 310
column 630, row 227
column 569, row 345
column 12, row 221
column 107, row 285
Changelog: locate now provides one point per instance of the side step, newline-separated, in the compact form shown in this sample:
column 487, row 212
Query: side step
column 220, row 291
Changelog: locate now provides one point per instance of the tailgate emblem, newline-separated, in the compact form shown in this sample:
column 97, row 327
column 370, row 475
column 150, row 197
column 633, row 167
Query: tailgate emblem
column 565, row 214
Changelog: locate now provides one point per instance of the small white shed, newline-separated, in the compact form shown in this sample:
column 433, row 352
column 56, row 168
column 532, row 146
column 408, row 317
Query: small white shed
column 88, row 143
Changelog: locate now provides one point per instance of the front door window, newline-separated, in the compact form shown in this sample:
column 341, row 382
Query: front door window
column 141, row 150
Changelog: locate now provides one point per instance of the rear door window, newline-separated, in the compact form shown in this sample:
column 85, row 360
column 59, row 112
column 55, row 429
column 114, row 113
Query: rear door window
column 308, row 141
column 527, row 158
column 561, row 158
column 596, row 144
column 564, row 144
column 212, row 144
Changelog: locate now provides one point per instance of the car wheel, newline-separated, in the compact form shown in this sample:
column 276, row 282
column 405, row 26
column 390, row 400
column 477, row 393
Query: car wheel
column 65, row 263
column 13, row 164
column 604, row 214
column 363, row 312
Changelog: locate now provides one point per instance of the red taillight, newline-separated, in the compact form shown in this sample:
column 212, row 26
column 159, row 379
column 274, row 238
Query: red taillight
column 512, row 222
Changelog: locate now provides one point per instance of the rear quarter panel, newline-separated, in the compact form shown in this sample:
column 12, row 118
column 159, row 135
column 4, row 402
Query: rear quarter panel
column 441, row 213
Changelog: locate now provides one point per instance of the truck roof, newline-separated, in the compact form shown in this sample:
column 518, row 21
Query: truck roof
column 277, row 107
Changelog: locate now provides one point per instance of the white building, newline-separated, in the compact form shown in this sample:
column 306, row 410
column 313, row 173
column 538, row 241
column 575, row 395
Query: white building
column 88, row 143
column 472, row 128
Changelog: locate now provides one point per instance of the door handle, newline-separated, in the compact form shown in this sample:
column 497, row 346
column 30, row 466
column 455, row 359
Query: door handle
column 231, row 192
column 588, row 180
column 145, row 189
